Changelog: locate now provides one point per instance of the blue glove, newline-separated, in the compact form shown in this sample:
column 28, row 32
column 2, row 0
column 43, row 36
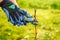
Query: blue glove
column 14, row 15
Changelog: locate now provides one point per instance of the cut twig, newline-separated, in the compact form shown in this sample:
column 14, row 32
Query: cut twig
column 35, row 24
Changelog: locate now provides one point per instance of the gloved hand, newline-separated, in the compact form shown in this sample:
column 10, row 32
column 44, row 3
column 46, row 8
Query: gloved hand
column 14, row 15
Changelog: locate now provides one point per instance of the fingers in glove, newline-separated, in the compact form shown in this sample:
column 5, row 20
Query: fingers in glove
column 16, row 15
column 12, row 16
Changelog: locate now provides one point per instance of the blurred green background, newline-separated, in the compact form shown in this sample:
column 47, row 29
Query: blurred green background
column 48, row 16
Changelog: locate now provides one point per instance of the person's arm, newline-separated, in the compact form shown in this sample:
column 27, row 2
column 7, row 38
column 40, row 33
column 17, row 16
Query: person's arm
column 14, row 1
column 1, row 1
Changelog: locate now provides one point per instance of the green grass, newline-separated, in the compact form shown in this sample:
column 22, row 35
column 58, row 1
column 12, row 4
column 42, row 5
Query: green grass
column 43, row 4
column 48, row 27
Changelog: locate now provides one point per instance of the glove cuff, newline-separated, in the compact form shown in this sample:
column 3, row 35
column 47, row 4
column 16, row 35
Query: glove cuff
column 5, row 3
